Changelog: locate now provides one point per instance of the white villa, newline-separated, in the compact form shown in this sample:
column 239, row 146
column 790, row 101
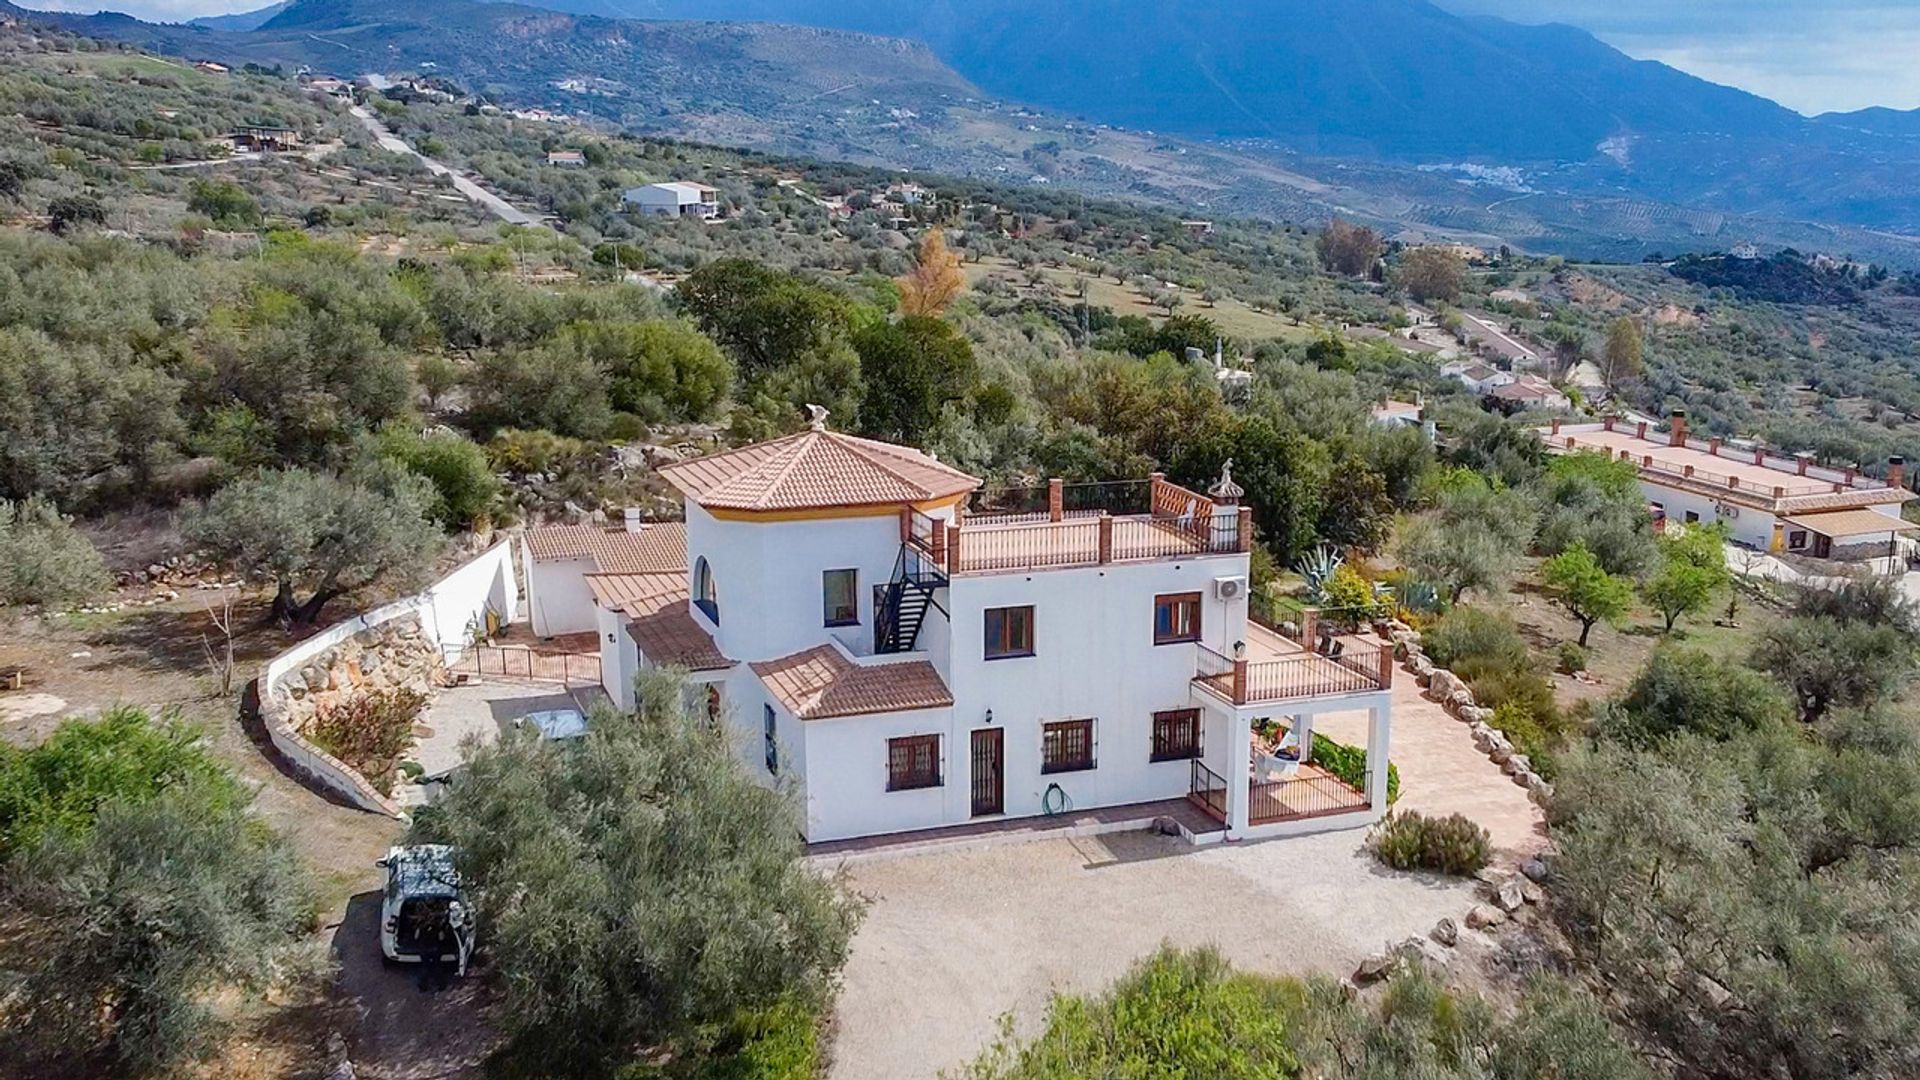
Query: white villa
column 1769, row 501
column 906, row 665
column 675, row 199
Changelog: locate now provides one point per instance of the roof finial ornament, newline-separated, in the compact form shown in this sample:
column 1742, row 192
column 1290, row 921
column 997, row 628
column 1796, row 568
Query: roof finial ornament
column 1224, row 490
column 819, row 414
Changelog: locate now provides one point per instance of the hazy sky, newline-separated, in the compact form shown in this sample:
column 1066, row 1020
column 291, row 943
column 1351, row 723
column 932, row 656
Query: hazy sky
column 1811, row 55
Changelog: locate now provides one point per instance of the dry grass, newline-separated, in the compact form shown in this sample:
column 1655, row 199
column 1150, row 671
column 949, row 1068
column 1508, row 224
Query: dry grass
column 1235, row 319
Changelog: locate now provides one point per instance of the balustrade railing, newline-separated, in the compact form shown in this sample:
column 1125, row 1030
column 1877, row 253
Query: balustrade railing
column 1315, row 795
column 1208, row 789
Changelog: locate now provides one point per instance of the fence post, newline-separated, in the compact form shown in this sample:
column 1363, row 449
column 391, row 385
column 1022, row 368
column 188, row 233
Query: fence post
column 1056, row 499
column 940, row 544
column 953, row 549
column 1309, row 621
column 1106, row 537
column 1240, row 681
column 906, row 524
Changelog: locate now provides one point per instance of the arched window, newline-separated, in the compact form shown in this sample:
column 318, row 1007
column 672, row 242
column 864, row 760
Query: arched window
column 705, row 596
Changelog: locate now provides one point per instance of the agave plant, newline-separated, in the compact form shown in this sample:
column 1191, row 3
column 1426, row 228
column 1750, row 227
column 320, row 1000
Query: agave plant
column 1317, row 568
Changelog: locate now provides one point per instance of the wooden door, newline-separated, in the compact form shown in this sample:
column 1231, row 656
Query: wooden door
column 989, row 772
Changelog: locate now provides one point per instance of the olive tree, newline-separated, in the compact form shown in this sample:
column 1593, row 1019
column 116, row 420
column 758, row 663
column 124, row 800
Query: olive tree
column 317, row 533
column 637, row 888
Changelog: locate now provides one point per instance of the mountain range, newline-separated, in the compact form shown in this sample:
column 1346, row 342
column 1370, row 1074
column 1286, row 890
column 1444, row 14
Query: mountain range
column 1391, row 110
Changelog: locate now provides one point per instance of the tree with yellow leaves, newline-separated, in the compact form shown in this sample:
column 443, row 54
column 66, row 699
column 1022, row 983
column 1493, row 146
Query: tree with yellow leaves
column 934, row 281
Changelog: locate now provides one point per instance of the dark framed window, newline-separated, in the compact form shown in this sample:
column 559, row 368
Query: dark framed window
column 1009, row 632
column 913, row 761
column 1693, row 518
column 840, row 594
column 1796, row 540
column 706, row 595
column 772, row 725
column 1176, row 735
column 1066, row 746
column 1176, row 618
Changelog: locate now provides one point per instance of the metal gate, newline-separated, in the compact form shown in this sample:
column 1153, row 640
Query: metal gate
column 989, row 772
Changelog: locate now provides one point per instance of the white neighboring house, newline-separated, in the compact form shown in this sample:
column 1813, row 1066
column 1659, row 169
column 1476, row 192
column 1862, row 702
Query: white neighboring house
column 560, row 560
column 1769, row 501
column 1478, row 377
column 675, row 199
column 568, row 159
column 1531, row 392
column 907, row 666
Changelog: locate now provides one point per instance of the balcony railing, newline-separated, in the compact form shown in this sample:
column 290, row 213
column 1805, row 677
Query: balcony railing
column 1313, row 793
column 1177, row 524
column 1290, row 678
column 1208, row 790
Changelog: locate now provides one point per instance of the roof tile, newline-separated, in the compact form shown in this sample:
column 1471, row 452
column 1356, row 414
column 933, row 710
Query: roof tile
column 815, row 470
column 822, row 683
column 659, row 546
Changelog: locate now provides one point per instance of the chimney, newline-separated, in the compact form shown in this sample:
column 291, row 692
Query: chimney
column 1760, row 455
column 1801, row 460
column 1896, row 471
column 1641, row 431
column 634, row 524
column 1679, row 434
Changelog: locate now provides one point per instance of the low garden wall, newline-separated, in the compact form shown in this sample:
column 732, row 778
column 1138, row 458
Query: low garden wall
column 402, row 645
column 1456, row 698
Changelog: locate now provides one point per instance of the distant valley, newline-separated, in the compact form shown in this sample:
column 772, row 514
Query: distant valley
column 1390, row 111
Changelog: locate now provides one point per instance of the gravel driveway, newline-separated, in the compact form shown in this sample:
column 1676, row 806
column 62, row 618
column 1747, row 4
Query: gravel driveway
column 953, row 940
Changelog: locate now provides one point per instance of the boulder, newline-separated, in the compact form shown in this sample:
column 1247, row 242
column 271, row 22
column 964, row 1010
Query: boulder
column 1531, row 893
column 1445, row 684
column 1536, row 869
column 1421, row 667
column 1499, row 753
column 1516, row 763
column 1509, row 896
column 1373, row 969
column 1446, row 932
column 1482, row 917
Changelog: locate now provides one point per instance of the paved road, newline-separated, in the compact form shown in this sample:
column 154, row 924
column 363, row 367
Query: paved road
column 494, row 204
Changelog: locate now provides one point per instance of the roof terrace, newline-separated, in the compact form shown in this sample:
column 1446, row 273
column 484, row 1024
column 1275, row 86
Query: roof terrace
column 1761, row 476
column 1063, row 526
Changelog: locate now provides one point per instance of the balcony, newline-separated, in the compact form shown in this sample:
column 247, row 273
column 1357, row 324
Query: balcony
column 1091, row 525
column 1311, row 792
column 1275, row 667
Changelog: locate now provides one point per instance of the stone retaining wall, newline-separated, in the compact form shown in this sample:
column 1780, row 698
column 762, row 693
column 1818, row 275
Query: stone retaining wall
column 405, row 643
column 1453, row 695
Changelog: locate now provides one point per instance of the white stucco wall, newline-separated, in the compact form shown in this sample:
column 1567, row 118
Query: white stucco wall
column 768, row 578
column 845, row 770
column 1754, row 527
column 1094, row 657
column 558, row 596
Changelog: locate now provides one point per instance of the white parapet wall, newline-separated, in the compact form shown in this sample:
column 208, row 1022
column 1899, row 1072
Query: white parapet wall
column 447, row 612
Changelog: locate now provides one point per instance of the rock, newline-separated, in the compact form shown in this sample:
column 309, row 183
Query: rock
column 1373, row 969
column 1458, row 700
column 1446, row 932
column 1420, row 666
column 1531, row 893
column 1445, row 684
column 1500, row 754
column 1536, row 869
column 1482, row 917
column 1509, row 897
column 1516, row 763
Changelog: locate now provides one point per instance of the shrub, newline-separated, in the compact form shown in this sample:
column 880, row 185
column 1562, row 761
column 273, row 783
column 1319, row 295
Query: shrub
column 1472, row 635
column 1349, row 763
column 1573, row 658
column 43, row 559
column 1449, row 845
column 369, row 731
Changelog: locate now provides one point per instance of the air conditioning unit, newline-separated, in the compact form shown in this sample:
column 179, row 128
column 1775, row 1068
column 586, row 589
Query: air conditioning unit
column 1230, row 588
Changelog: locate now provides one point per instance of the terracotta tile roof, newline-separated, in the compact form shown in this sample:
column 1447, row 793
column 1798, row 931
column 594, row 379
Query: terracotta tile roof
column 815, row 470
column 1851, row 523
column 822, row 682
column 656, row 607
column 659, row 547
column 1843, row 500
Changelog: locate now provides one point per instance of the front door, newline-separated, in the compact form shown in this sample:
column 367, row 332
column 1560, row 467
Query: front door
column 989, row 772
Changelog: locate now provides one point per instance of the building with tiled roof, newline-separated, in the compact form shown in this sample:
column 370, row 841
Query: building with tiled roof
column 559, row 557
column 1769, row 501
column 904, row 663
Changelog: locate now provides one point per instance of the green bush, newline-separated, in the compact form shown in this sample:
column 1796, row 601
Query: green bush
column 1573, row 658
column 1412, row 841
column 1470, row 636
column 780, row 1042
column 1349, row 763
column 43, row 559
column 369, row 731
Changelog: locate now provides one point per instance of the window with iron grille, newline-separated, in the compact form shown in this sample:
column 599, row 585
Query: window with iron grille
column 773, row 741
column 913, row 762
column 840, row 592
column 1066, row 746
column 1176, row 618
column 1009, row 632
column 1176, row 735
